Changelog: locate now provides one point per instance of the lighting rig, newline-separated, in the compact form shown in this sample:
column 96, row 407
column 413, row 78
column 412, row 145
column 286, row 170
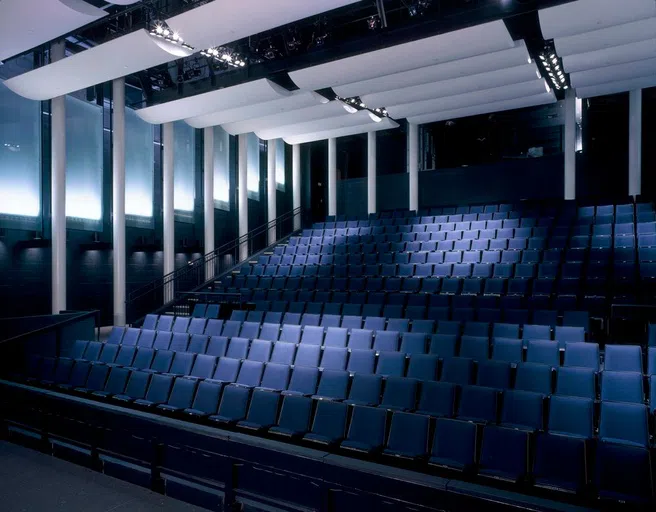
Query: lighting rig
column 161, row 30
column 355, row 104
column 225, row 56
column 552, row 66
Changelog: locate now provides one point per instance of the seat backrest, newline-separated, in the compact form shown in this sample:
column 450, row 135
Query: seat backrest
column 238, row 348
column 408, row 434
column 533, row 377
column 263, row 409
column 624, row 422
column 304, row 380
column 458, row 370
column 234, row 403
column 493, row 374
column 622, row 387
column 295, row 414
column 479, row 404
column 227, row 369
column 207, row 397
column 333, row 384
column 400, row 393
column 159, row 388
column 367, row 427
column 584, row 355
column 623, row 358
column 578, row 382
column 391, row 364
column 330, row 420
column 522, row 409
column 182, row 394
column 312, row 335
column 454, row 443
column 361, row 361
column 260, row 350
column 276, row 376
column 250, row 373
column 571, row 416
column 283, row 353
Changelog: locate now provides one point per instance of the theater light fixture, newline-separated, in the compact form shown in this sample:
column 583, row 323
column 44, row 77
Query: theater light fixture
column 553, row 68
column 225, row 56
column 355, row 104
column 160, row 29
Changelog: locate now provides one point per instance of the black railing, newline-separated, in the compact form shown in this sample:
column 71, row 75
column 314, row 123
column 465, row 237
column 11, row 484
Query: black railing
column 161, row 292
column 186, row 301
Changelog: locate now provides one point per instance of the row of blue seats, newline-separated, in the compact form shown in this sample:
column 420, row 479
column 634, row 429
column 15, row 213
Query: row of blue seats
column 504, row 451
column 514, row 228
column 253, row 325
column 466, row 255
column 387, row 386
column 446, row 241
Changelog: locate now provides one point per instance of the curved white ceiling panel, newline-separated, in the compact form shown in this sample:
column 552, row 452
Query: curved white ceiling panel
column 588, row 15
column 372, row 126
column 459, row 44
column 220, row 22
column 296, row 100
column 449, row 70
column 611, row 56
column 232, row 97
column 301, row 115
column 617, row 86
column 138, row 50
column 480, row 81
column 123, row 2
column 25, row 24
column 606, row 37
column 498, row 106
column 470, row 99
column 332, row 123
column 613, row 73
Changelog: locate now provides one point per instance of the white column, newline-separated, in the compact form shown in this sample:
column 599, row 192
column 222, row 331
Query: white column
column 371, row 172
column 296, row 183
column 169, row 212
column 635, row 142
column 332, row 176
column 271, row 188
column 413, row 166
column 569, row 144
column 118, row 198
column 58, row 191
column 242, row 206
column 208, row 196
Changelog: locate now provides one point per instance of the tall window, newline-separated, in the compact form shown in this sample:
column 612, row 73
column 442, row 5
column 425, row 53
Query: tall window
column 184, row 164
column 139, row 165
column 20, row 154
column 221, row 168
column 280, row 164
column 84, row 159
column 253, row 166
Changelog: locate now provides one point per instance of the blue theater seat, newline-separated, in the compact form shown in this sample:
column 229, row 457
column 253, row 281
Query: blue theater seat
column 522, row 410
column 294, row 418
column 543, row 352
column 454, row 444
column 579, row 382
column 183, row 362
column 400, row 394
column 507, row 350
column 458, row 370
column 262, row 411
column 624, row 423
column 366, row 432
column 227, row 370
column 584, row 355
column 504, row 453
column 493, row 374
column 571, row 416
column 408, row 436
column 443, row 345
column 533, row 377
column 623, row 473
column 334, row 358
column 333, row 385
column 622, row 387
column 361, row 361
column 233, row 406
column 158, row 391
column 560, row 463
column 623, row 358
column 136, row 388
column 181, row 397
column 478, row 404
column 329, row 424
column 206, row 401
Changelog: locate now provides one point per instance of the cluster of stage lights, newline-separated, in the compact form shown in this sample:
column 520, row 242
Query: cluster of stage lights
column 221, row 55
column 553, row 67
column 171, row 36
column 353, row 105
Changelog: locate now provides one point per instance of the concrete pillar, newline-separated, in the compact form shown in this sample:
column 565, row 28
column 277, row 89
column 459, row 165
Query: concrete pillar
column 296, row 184
column 635, row 142
column 118, row 198
column 271, row 190
column 242, row 206
column 168, row 206
column 569, row 144
column 208, row 197
column 413, row 166
column 371, row 172
column 332, row 176
column 58, row 191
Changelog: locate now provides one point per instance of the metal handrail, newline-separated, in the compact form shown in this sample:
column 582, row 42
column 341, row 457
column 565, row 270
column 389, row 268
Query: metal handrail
column 69, row 319
column 201, row 271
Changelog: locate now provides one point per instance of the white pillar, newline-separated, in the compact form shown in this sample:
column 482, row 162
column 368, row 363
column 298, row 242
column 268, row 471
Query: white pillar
column 371, row 172
column 168, row 204
column 332, row 176
column 208, row 196
column 296, row 183
column 242, row 206
column 58, row 191
column 271, row 189
column 413, row 166
column 635, row 142
column 569, row 144
column 118, row 198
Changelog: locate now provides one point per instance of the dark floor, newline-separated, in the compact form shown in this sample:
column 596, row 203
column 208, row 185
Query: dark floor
column 34, row 482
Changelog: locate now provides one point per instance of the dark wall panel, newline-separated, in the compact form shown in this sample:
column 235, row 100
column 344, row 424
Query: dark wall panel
column 352, row 197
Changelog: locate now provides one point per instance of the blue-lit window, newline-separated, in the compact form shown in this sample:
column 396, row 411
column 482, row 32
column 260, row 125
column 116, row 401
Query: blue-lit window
column 139, row 165
column 84, row 159
column 280, row 164
column 20, row 155
column 184, row 163
column 253, row 166
column 221, row 168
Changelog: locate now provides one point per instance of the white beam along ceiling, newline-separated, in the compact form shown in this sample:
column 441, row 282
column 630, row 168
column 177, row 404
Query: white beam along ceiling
column 25, row 24
column 333, row 123
column 476, row 40
column 296, row 100
column 301, row 115
column 96, row 65
column 520, row 90
column 240, row 95
column 385, row 124
column 497, row 106
column 132, row 52
column 607, row 46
